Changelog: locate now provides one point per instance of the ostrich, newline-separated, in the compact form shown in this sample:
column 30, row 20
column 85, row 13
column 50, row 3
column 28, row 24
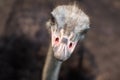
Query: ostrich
column 68, row 25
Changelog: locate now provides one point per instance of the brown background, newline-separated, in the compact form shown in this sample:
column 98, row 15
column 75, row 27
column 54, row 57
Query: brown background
column 103, row 41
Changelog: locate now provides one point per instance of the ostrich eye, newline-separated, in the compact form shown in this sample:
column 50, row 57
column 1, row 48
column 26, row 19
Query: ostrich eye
column 70, row 45
column 84, row 31
column 52, row 20
column 56, row 39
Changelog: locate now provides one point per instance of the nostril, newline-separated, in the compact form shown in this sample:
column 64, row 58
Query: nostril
column 70, row 45
column 57, row 39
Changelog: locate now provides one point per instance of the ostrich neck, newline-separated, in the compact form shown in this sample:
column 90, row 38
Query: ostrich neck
column 51, row 67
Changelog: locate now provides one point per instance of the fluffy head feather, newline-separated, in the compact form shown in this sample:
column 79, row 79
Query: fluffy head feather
column 71, row 18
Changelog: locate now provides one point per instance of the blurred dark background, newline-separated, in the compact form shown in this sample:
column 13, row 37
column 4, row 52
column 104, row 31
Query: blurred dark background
column 24, row 40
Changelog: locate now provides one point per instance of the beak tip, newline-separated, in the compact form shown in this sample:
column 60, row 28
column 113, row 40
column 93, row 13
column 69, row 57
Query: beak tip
column 59, row 58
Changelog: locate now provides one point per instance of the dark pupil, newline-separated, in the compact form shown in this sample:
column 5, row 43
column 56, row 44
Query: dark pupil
column 70, row 45
column 57, row 39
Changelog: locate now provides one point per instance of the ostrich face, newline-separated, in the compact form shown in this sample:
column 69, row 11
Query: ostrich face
column 68, row 26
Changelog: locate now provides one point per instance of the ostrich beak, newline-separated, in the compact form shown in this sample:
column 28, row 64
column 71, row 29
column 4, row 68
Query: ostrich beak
column 61, row 53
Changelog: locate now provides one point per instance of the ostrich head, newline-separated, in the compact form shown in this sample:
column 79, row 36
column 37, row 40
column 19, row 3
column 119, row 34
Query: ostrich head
column 68, row 25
